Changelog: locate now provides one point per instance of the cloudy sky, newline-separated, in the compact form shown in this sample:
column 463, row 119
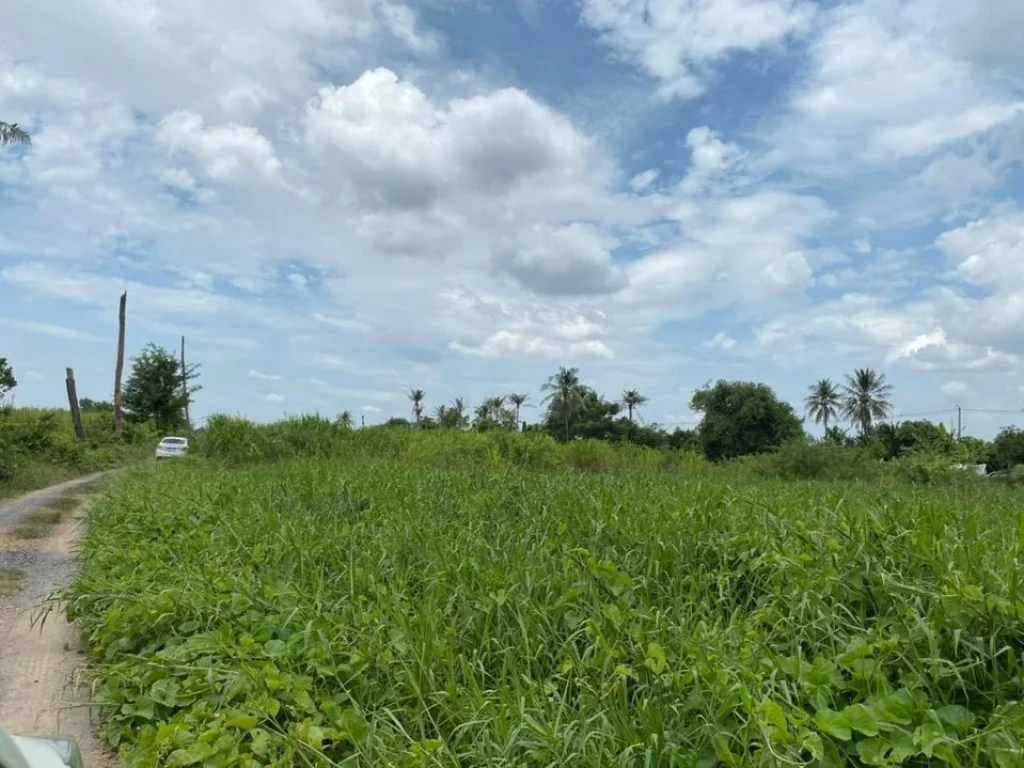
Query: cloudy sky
column 337, row 200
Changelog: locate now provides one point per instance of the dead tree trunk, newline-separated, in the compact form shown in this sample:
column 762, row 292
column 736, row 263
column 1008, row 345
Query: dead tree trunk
column 119, row 370
column 184, row 383
column 76, row 413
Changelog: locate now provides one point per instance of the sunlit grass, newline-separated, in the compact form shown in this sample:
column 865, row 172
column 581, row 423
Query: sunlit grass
column 370, row 613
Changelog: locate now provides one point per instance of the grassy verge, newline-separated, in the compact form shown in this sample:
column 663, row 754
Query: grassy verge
column 11, row 580
column 379, row 614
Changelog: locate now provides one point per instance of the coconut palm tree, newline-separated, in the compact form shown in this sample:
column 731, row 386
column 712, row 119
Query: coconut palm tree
column 565, row 395
column 866, row 398
column 10, row 133
column 345, row 419
column 417, row 395
column 823, row 402
column 518, row 401
column 457, row 413
column 632, row 398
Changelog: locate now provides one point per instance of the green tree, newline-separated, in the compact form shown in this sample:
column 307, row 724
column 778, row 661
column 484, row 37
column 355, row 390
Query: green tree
column 565, row 396
column 823, row 402
column 1007, row 449
column 10, row 133
column 632, row 399
column 866, row 398
column 7, row 380
column 345, row 419
column 416, row 396
column 518, row 400
column 742, row 418
column 155, row 390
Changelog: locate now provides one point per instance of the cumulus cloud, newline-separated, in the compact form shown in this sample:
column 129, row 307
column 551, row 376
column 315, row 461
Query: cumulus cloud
column 571, row 260
column 407, row 151
column 223, row 152
column 677, row 41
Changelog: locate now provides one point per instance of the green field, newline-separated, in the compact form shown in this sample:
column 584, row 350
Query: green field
column 379, row 613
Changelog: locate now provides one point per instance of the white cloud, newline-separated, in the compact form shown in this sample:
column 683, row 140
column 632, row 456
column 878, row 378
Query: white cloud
column 402, row 150
column 892, row 79
column 273, row 397
column 571, row 260
column 720, row 340
column 954, row 389
column 254, row 374
column 344, row 324
column 224, row 152
column 677, row 41
column 371, row 409
column 48, row 329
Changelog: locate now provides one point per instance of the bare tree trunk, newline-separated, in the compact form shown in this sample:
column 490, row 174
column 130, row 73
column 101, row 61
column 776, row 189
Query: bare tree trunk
column 76, row 413
column 184, row 383
column 119, row 370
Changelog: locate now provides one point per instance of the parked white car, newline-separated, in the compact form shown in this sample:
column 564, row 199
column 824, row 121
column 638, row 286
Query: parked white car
column 36, row 752
column 172, row 447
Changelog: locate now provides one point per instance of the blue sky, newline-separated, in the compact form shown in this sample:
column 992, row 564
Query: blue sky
column 337, row 200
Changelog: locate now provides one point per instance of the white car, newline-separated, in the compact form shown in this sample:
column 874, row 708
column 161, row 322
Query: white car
column 36, row 752
column 172, row 447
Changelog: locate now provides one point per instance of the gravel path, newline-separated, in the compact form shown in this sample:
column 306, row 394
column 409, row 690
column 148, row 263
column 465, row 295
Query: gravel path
column 43, row 684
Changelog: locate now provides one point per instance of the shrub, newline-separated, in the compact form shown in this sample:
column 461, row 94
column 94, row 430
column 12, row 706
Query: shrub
column 800, row 460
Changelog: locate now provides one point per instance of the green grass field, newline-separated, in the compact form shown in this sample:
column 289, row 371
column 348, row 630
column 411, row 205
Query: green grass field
column 376, row 613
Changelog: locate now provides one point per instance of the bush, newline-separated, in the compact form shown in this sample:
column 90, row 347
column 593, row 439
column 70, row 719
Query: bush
column 800, row 460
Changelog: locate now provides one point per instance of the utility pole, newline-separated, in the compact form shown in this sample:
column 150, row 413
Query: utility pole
column 362, row 419
column 119, row 370
column 959, row 423
column 76, row 413
column 184, row 382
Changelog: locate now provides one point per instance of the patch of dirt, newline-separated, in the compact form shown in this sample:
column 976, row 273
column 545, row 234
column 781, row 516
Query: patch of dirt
column 44, row 688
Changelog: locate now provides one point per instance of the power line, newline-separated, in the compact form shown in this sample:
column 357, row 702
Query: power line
column 924, row 413
column 994, row 410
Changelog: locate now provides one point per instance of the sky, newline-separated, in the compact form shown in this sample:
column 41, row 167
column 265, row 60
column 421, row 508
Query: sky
column 338, row 200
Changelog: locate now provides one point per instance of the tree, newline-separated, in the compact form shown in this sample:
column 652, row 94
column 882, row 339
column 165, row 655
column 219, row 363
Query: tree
column 518, row 401
column 742, row 418
column 7, row 380
column 564, row 398
column 417, row 395
column 10, row 133
column 345, row 419
column 1007, row 449
column 631, row 398
column 823, row 402
column 866, row 396
column 154, row 391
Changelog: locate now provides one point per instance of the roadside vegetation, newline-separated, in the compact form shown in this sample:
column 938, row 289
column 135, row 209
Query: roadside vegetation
column 11, row 580
column 353, row 608
column 38, row 446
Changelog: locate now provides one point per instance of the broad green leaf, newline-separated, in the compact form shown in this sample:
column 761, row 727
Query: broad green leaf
column 275, row 648
column 958, row 718
column 861, row 719
column 834, row 724
column 655, row 658
column 165, row 691
column 245, row 722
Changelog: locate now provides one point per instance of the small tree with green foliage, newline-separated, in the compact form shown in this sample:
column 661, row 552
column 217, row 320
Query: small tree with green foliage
column 7, row 380
column 155, row 390
column 1007, row 449
column 742, row 418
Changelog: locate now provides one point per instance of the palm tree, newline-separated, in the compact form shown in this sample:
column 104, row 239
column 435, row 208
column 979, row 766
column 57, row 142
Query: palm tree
column 823, row 402
column 441, row 414
column 866, row 396
column 345, row 419
column 10, row 133
column 458, row 413
column 518, row 401
column 632, row 398
column 417, row 395
column 564, row 395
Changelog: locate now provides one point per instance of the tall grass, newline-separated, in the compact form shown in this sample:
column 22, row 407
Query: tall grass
column 370, row 612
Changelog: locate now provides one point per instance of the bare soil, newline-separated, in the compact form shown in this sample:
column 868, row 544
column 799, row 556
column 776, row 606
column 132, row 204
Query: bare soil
column 44, row 687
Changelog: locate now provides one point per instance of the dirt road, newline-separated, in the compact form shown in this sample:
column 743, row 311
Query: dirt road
column 43, row 687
